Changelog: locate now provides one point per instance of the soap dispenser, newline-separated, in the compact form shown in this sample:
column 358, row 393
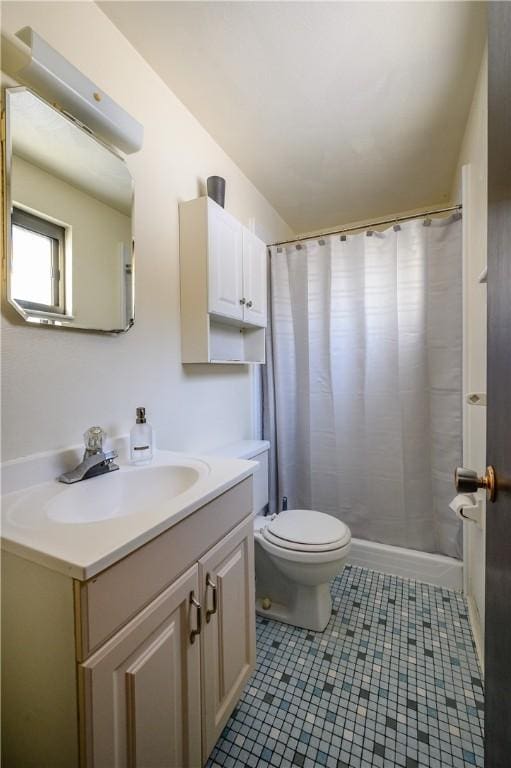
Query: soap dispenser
column 141, row 440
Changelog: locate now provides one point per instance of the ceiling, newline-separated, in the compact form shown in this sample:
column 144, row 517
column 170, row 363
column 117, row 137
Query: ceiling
column 337, row 111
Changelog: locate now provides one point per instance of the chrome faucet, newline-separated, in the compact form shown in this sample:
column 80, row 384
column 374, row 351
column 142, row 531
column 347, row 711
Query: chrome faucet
column 95, row 460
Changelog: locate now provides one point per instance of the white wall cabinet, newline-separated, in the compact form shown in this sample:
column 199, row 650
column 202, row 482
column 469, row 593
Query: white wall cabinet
column 161, row 643
column 223, row 286
column 254, row 279
column 225, row 263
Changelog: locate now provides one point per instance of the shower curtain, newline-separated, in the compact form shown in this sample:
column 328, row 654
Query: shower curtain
column 362, row 387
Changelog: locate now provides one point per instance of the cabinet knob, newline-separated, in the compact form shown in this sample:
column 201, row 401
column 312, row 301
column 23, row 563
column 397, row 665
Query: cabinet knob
column 249, row 304
column 243, row 301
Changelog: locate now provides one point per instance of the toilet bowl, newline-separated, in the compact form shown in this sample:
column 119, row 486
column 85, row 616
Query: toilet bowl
column 298, row 553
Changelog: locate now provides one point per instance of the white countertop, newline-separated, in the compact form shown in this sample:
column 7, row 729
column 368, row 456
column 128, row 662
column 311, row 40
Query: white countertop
column 83, row 549
column 243, row 449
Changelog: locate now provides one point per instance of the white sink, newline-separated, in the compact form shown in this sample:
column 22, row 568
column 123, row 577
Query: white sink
column 120, row 494
column 83, row 528
column 128, row 491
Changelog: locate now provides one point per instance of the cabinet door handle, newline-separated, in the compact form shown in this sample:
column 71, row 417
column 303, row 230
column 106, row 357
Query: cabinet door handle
column 195, row 603
column 210, row 583
column 249, row 304
column 243, row 301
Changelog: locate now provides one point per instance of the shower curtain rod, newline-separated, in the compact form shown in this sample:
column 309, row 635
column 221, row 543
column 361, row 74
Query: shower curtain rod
column 394, row 220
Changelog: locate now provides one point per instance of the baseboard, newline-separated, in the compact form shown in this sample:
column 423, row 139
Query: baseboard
column 477, row 630
column 408, row 563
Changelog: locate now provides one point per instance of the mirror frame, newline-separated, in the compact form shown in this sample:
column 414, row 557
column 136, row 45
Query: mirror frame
column 47, row 319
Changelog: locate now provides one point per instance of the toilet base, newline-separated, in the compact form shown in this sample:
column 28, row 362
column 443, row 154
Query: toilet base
column 309, row 607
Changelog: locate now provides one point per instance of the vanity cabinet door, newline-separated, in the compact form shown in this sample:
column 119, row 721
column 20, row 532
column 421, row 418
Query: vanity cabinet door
column 140, row 693
column 228, row 635
column 225, row 263
column 254, row 279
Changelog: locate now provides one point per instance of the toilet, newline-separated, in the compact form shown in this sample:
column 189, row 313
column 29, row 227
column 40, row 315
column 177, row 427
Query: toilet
column 297, row 552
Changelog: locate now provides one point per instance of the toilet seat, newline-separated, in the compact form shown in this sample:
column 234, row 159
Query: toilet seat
column 305, row 530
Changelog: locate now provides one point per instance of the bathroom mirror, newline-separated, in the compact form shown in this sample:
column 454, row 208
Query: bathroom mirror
column 69, row 221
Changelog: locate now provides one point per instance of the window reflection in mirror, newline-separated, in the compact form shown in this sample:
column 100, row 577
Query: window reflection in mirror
column 70, row 221
column 38, row 263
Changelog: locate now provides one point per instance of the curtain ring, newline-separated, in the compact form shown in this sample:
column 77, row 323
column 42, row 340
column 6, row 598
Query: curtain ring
column 321, row 242
column 343, row 238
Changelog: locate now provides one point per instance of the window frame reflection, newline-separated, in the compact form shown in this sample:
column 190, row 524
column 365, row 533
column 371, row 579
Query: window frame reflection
column 56, row 234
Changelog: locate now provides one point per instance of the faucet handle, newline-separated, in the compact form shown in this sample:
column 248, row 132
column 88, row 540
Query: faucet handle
column 94, row 440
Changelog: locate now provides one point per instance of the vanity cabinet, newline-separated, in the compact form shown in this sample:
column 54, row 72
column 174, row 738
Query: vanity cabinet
column 228, row 638
column 142, row 664
column 142, row 689
column 223, row 286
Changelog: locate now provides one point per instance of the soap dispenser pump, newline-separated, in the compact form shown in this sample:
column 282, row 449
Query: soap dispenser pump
column 141, row 439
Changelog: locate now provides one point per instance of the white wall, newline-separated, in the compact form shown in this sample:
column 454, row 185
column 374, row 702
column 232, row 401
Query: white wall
column 57, row 383
column 473, row 163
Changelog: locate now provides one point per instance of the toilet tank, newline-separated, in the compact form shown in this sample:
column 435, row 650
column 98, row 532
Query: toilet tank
column 254, row 450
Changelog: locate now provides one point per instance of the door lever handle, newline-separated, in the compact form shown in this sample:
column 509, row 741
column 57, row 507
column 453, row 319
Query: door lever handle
column 468, row 481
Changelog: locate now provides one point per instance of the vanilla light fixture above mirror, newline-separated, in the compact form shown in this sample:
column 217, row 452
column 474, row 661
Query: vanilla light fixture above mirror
column 58, row 81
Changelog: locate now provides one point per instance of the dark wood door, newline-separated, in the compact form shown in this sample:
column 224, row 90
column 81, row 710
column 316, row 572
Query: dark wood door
column 498, row 516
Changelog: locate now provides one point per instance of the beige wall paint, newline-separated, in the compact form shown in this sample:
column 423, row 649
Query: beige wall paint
column 57, row 383
column 473, row 159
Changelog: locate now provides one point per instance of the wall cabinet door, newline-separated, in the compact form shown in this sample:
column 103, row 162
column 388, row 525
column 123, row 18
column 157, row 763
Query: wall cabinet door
column 226, row 574
column 254, row 279
column 225, row 263
column 140, row 693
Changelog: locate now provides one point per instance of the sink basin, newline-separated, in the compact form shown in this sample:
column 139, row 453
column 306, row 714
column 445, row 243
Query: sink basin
column 127, row 492
column 120, row 494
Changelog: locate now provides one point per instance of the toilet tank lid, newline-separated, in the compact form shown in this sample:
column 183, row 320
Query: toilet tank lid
column 244, row 449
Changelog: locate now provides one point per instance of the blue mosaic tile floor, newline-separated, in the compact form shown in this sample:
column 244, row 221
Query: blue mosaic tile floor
column 392, row 681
